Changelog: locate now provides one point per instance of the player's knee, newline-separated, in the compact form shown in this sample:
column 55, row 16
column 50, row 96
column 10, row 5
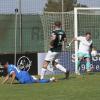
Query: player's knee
column 55, row 62
column 45, row 64
column 87, row 59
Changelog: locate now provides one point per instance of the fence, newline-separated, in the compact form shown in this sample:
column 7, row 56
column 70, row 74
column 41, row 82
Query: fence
column 31, row 31
column 29, row 27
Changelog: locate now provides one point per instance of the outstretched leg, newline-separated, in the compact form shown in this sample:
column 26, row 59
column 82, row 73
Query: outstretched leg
column 61, row 68
column 44, row 69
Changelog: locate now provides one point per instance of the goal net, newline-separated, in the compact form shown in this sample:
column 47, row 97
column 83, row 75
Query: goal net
column 75, row 23
column 48, row 19
column 87, row 20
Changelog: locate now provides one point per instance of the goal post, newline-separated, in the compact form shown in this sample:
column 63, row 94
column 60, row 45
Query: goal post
column 75, row 35
column 86, row 20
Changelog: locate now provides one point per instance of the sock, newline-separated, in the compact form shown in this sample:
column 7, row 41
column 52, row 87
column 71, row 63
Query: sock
column 88, row 64
column 60, row 67
column 43, row 71
column 34, row 77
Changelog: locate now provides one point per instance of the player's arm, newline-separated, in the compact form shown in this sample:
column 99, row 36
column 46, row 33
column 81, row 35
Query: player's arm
column 91, row 47
column 5, row 80
column 13, row 75
column 52, row 39
column 64, row 38
column 76, row 39
column 64, row 41
column 93, row 51
column 52, row 36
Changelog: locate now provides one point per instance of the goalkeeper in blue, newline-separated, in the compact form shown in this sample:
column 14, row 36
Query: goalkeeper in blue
column 23, row 77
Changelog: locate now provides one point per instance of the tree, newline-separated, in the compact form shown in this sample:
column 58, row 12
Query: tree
column 80, row 5
column 56, row 5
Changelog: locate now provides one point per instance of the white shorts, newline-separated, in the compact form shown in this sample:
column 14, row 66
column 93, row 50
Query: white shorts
column 51, row 56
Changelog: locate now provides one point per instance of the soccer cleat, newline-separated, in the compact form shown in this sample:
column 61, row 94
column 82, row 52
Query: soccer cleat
column 53, row 79
column 67, row 75
column 89, row 70
column 78, row 73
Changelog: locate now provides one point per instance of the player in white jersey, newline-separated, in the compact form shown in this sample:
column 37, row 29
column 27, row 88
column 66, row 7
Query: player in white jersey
column 85, row 46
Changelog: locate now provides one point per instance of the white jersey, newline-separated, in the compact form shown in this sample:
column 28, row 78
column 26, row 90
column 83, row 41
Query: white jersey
column 84, row 45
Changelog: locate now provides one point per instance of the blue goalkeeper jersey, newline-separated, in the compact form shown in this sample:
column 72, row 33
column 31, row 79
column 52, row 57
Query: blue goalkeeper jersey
column 22, row 76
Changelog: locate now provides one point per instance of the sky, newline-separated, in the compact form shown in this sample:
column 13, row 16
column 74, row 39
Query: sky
column 90, row 3
column 31, row 6
column 28, row 6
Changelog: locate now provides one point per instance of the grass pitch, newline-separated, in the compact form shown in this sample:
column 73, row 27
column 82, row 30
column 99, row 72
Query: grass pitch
column 85, row 87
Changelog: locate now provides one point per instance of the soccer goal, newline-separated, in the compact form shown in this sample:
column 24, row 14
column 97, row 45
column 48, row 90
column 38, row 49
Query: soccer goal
column 86, row 20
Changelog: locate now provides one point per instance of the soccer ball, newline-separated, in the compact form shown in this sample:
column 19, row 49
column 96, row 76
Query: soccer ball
column 94, row 53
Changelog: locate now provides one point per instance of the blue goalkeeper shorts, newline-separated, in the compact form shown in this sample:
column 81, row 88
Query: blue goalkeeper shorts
column 25, row 78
